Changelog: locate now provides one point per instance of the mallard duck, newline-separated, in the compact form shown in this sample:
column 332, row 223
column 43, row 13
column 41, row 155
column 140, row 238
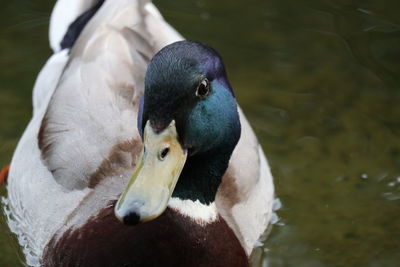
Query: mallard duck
column 137, row 153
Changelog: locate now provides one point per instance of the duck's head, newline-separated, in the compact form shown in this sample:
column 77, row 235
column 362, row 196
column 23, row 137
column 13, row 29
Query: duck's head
column 190, row 125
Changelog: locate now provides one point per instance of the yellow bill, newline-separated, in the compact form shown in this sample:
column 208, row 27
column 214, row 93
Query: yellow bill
column 154, row 178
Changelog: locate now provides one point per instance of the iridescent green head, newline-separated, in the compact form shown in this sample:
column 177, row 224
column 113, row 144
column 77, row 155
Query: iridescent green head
column 187, row 95
column 186, row 82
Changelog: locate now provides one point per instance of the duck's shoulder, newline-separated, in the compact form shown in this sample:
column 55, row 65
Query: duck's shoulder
column 93, row 109
column 246, row 194
column 173, row 239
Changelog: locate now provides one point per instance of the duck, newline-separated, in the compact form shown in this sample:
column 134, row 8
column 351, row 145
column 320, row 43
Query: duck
column 137, row 153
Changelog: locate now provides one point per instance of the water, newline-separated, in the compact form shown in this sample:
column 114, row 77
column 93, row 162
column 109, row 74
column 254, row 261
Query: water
column 320, row 83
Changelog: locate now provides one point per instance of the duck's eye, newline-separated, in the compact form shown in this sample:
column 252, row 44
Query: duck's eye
column 163, row 153
column 203, row 89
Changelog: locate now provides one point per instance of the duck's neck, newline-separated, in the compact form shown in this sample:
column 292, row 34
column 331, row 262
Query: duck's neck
column 202, row 175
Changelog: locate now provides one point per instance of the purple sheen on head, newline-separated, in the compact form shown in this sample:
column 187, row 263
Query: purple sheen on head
column 215, row 69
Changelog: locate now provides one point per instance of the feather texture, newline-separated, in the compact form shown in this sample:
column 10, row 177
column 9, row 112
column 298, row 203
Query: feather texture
column 84, row 125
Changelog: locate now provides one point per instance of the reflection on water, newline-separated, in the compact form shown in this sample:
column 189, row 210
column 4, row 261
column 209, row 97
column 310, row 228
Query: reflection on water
column 319, row 81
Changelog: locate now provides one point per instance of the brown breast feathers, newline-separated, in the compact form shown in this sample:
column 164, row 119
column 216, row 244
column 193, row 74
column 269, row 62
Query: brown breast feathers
column 170, row 240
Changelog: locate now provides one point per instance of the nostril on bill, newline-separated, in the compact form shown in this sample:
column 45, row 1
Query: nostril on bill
column 163, row 153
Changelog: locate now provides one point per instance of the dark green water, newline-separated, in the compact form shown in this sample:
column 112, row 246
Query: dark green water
column 320, row 83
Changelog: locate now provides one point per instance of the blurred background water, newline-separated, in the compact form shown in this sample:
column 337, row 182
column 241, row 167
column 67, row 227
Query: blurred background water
column 319, row 81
